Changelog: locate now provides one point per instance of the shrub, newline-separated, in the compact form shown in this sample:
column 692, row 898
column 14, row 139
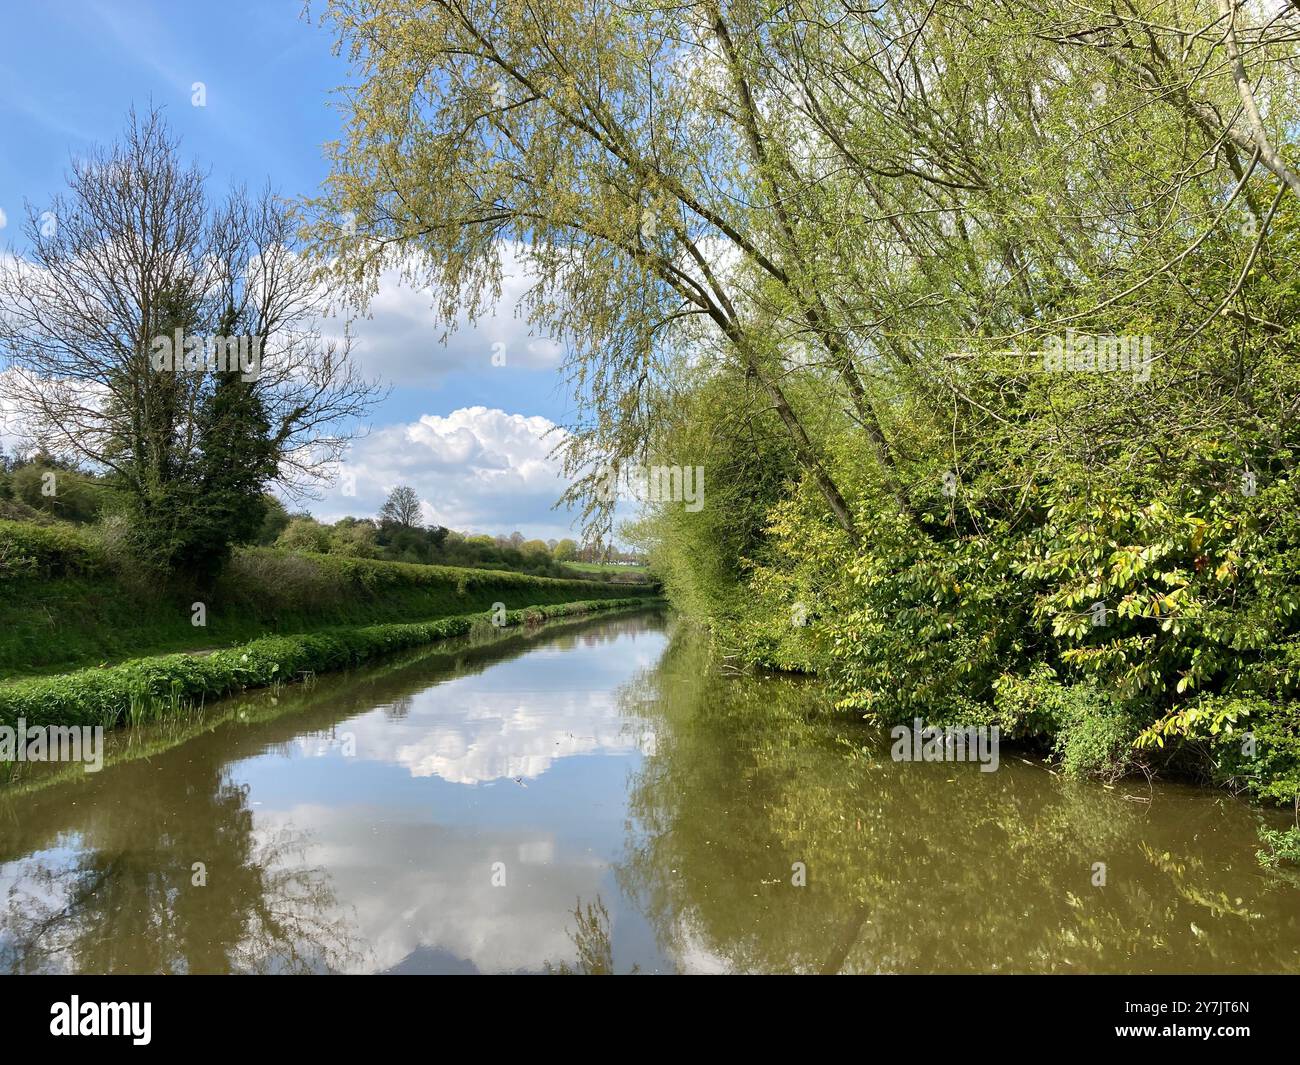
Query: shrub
column 150, row 687
column 304, row 534
column 1280, row 845
column 45, row 551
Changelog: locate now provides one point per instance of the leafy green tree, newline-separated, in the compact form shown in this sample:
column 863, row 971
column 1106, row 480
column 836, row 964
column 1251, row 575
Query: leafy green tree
column 843, row 275
column 90, row 320
column 57, row 488
column 354, row 537
column 274, row 521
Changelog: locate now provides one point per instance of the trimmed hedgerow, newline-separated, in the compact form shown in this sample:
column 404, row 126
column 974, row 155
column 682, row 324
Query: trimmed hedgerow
column 147, row 688
column 64, row 606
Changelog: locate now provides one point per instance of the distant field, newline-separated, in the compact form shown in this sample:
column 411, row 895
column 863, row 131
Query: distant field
column 605, row 567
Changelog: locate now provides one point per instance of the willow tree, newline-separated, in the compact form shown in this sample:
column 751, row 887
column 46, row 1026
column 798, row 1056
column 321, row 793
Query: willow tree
column 618, row 151
column 983, row 177
column 915, row 194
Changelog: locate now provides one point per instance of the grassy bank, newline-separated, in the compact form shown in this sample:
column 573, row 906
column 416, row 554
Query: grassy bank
column 147, row 689
column 611, row 571
column 250, row 710
column 66, row 601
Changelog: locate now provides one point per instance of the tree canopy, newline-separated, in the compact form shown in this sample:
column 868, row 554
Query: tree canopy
column 979, row 317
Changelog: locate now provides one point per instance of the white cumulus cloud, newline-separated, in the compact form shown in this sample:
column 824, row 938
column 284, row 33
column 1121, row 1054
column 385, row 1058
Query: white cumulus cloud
column 477, row 469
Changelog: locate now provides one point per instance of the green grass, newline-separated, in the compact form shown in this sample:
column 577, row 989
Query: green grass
column 611, row 573
column 64, row 603
column 604, row 567
column 155, row 688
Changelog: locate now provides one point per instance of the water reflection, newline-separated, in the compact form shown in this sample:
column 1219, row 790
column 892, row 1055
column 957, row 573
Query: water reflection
column 355, row 825
column 592, row 936
column 923, row 867
column 596, row 797
column 469, row 736
column 118, row 891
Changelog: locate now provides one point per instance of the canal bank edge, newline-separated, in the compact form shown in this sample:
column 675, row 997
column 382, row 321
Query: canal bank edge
column 148, row 689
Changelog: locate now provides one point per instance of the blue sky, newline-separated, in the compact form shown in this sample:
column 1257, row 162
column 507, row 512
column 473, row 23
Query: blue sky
column 462, row 431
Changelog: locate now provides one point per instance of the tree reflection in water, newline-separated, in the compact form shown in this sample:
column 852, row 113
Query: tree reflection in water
column 918, row 867
column 910, row 867
column 127, row 901
column 96, row 871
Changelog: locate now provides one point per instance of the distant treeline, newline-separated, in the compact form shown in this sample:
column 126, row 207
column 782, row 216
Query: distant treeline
column 41, row 487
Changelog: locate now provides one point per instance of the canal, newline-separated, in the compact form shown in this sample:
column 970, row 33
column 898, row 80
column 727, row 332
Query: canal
column 607, row 795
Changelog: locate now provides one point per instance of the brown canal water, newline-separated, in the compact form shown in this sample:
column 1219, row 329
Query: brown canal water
column 600, row 796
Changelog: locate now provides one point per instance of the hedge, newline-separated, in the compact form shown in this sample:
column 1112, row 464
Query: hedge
column 29, row 550
column 146, row 688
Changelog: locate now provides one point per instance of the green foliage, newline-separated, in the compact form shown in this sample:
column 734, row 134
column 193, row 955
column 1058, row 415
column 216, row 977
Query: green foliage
column 355, row 538
column 430, row 545
column 191, row 508
column 148, row 688
column 275, row 519
column 238, row 458
column 1123, row 608
column 56, row 489
column 46, row 551
column 304, row 533
column 703, row 556
column 1092, row 733
column 1280, row 845
column 66, row 600
column 846, row 311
